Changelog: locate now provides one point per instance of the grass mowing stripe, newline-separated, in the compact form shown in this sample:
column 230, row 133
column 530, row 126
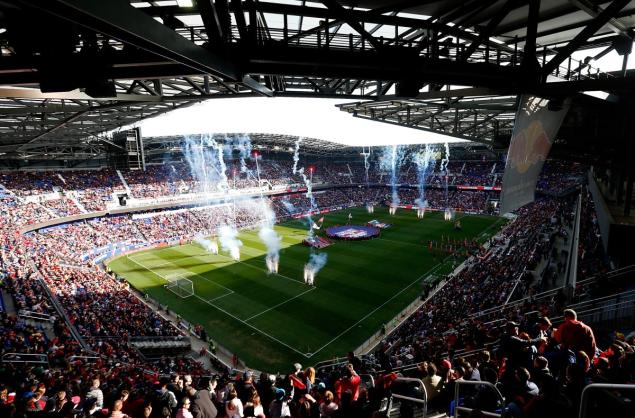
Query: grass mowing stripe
column 358, row 278
column 280, row 304
column 381, row 306
column 231, row 315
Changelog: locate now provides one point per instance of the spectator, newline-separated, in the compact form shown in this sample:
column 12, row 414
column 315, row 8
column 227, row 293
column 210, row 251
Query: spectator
column 184, row 410
column 574, row 335
column 202, row 405
column 96, row 393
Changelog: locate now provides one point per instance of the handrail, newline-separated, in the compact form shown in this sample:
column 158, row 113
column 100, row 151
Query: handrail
column 422, row 387
column 23, row 313
column 584, row 398
column 459, row 383
column 58, row 307
column 71, row 359
column 547, row 293
column 25, row 358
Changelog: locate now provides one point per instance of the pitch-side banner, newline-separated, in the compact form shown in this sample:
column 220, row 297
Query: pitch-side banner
column 534, row 131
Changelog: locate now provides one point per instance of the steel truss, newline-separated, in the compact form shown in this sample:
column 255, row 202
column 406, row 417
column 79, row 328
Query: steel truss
column 103, row 65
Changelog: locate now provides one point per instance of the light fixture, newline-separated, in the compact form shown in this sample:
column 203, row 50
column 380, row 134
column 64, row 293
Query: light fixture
column 184, row 3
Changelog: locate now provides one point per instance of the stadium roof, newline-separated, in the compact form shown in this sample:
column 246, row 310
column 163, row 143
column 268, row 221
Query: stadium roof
column 74, row 69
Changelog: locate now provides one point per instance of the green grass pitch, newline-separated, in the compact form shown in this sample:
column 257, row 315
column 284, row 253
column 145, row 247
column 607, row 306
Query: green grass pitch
column 272, row 321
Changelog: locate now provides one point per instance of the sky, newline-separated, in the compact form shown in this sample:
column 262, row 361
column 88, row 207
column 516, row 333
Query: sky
column 313, row 118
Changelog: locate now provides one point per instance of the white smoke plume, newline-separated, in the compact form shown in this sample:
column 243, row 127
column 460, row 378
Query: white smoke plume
column 269, row 236
column 209, row 245
column 366, row 162
column 205, row 158
column 425, row 162
column 391, row 160
column 228, row 237
column 444, row 170
column 288, row 206
column 243, row 144
column 307, row 182
column 315, row 264
column 296, row 156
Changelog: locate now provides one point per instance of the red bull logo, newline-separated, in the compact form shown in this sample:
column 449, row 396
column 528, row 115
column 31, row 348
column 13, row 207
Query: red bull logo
column 528, row 147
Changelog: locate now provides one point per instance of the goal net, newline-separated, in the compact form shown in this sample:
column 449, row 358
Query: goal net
column 181, row 287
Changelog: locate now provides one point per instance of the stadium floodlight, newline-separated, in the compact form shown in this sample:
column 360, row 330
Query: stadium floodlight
column 182, row 287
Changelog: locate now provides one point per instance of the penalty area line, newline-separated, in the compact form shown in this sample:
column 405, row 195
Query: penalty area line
column 232, row 315
column 221, row 296
column 280, row 304
column 191, row 274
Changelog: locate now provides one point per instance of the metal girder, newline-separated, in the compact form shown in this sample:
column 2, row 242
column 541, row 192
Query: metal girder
column 236, row 6
column 600, row 20
column 130, row 25
column 491, row 26
column 323, row 62
column 594, row 10
column 373, row 18
column 471, row 118
column 212, row 22
column 343, row 15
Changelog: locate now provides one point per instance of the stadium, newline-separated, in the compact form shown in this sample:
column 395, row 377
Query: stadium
column 316, row 209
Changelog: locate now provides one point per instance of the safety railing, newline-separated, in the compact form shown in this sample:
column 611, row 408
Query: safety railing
column 460, row 407
column 84, row 359
column 35, row 316
column 621, row 272
column 58, row 307
column 608, row 387
column 407, row 394
column 23, row 358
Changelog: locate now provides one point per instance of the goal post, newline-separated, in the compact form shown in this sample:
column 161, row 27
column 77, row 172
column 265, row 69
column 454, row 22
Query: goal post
column 180, row 286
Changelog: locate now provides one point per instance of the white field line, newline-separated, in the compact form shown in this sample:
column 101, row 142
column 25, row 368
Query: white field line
column 375, row 310
column 253, row 267
column 280, row 304
column 192, row 274
column 133, row 258
column 233, row 316
column 221, row 296
column 436, row 267
column 288, row 278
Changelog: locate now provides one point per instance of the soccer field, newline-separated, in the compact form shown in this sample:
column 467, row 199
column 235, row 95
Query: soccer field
column 272, row 321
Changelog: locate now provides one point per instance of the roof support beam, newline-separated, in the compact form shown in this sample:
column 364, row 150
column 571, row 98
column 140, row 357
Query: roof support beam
column 491, row 26
column 211, row 21
column 239, row 15
column 343, row 14
column 595, row 25
column 594, row 10
column 120, row 20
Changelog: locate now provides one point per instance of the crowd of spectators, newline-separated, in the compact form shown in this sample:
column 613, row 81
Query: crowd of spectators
column 559, row 176
column 487, row 281
column 94, row 188
column 537, row 368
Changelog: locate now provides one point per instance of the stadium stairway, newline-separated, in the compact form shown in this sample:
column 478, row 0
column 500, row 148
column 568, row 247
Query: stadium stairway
column 198, row 346
column 124, row 182
column 77, row 203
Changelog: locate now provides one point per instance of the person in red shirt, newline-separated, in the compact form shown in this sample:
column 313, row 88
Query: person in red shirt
column 349, row 381
column 575, row 335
